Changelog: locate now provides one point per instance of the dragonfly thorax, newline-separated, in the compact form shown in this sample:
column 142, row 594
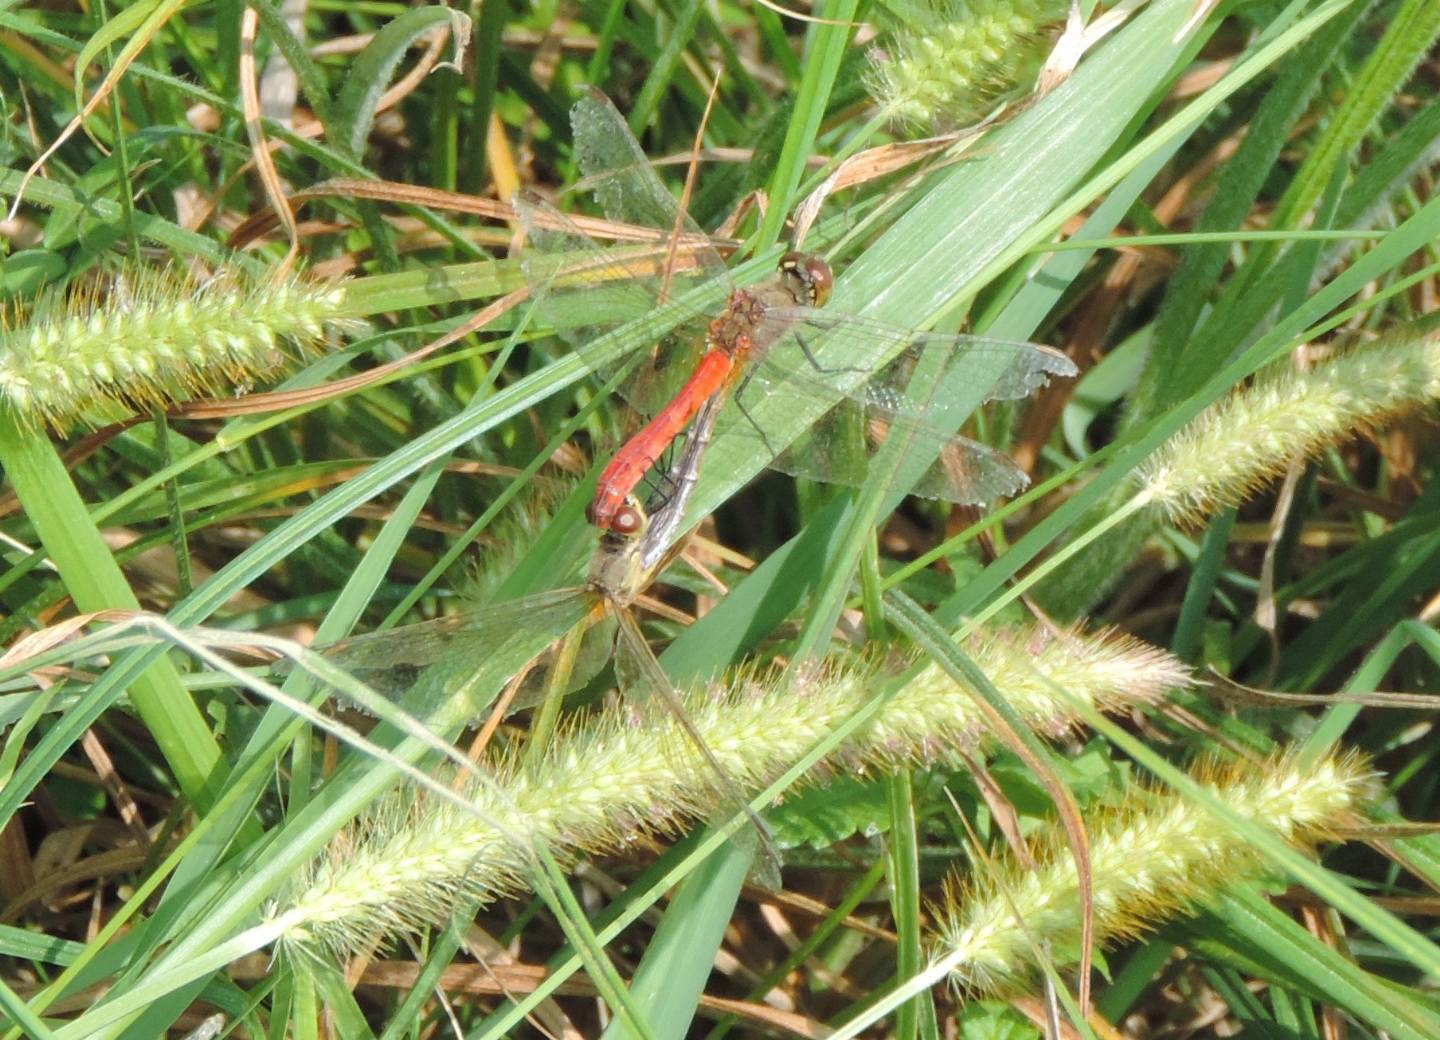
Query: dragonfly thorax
column 733, row 331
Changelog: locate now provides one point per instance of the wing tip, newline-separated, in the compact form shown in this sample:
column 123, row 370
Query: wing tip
column 1057, row 362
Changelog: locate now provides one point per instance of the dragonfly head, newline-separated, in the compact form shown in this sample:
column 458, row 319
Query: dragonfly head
column 807, row 278
column 618, row 570
column 630, row 520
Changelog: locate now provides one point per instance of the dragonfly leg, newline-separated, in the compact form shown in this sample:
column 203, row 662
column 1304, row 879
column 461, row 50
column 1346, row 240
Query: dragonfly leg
column 740, row 404
column 815, row 361
column 663, row 486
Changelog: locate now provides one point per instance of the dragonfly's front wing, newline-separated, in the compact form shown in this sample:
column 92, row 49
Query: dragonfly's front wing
column 826, row 366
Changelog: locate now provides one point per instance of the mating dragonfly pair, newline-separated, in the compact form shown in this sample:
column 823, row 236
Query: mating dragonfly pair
column 773, row 339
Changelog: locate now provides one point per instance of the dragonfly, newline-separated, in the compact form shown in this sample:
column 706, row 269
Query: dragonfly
column 773, row 339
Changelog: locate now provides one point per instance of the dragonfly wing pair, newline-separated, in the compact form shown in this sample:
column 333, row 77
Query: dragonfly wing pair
column 871, row 382
column 663, row 272
column 449, row 670
column 619, row 173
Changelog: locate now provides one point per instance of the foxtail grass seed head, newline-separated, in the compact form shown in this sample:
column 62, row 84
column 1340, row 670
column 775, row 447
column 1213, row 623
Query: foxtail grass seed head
column 1108, row 671
column 617, row 778
column 1253, row 435
column 1154, row 856
column 950, row 61
column 144, row 338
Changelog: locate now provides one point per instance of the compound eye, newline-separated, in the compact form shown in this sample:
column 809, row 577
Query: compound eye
column 819, row 279
column 629, row 520
column 810, row 275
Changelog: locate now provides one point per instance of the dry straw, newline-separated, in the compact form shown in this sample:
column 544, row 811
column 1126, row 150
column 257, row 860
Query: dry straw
column 600, row 786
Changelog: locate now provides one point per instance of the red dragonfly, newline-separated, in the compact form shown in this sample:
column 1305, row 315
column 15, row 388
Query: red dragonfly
column 772, row 339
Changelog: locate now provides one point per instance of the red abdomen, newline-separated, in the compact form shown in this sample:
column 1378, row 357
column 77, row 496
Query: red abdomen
column 639, row 453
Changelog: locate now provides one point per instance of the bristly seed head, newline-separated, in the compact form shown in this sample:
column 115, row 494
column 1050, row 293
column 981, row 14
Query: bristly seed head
column 1154, row 856
column 627, row 774
column 1286, row 416
column 145, row 339
column 945, row 71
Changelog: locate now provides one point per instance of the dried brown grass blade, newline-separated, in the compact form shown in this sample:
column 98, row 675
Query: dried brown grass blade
column 455, row 202
column 691, row 172
column 32, row 643
column 258, row 403
column 866, row 166
column 259, row 144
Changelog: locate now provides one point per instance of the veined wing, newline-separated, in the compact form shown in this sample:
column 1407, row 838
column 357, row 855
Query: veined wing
column 585, row 292
column 613, row 166
column 664, row 257
column 929, row 385
column 838, row 449
column 454, row 666
column 844, row 345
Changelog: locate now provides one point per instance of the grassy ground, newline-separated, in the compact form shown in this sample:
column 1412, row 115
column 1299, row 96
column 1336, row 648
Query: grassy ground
column 1163, row 716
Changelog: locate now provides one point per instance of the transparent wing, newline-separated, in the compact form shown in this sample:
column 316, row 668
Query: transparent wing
column 459, row 663
column 649, row 688
column 843, row 344
column 839, row 448
column 584, row 292
column 624, row 182
column 922, row 395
